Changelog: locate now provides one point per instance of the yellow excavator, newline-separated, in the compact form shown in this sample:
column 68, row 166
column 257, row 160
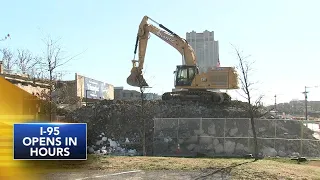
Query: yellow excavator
column 192, row 84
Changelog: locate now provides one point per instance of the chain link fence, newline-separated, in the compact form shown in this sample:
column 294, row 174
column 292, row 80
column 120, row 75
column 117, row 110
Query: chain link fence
column 234, row 137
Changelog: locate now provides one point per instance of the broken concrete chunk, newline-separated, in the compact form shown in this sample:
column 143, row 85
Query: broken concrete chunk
column 218, row 148
column 215, row 142
column 198, row 132
column 233, row 131
column 240, row 147
column 191, row 147
column 262, row 129
column 212, row 129
column 205, row 139
column 229, row 147
column 269, row 152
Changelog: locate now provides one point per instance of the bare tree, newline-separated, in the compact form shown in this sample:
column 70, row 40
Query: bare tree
column 26, row 62
column 7, row 59
column 254, row 106
column 54, row 57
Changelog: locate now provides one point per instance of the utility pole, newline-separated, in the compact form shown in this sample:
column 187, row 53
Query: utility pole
column 275, row 104
column 306, row 116
column 144, row 136
column 144, row 122
column 306, row 101
column 306, row 113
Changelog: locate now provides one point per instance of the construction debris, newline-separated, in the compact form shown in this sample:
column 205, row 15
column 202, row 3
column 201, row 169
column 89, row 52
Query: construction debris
column 121, row 123
column 106, row 146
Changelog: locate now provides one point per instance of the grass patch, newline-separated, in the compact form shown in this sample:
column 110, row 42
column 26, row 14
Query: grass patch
column 271, row 168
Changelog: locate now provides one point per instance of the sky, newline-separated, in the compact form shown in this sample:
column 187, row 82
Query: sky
column 281, row 37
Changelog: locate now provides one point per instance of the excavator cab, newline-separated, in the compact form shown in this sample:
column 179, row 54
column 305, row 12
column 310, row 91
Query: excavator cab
column 185, row 74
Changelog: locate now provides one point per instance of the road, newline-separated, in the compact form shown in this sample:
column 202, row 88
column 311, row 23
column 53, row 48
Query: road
column 135, row 175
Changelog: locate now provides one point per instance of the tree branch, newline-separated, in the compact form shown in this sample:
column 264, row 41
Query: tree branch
column 5, row 38
column 8, row 59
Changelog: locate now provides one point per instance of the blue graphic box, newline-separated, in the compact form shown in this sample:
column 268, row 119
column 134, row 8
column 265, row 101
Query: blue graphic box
column 50, row 141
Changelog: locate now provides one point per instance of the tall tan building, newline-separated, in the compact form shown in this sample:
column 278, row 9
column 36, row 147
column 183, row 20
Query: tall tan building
column 205, row 47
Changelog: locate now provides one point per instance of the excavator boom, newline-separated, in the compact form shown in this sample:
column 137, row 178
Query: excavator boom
column 136, row 77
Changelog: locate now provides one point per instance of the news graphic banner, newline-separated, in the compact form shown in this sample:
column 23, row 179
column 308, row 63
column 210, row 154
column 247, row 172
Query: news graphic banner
column 50, row 141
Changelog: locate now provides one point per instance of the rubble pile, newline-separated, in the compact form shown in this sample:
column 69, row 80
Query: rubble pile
column 122, row 122
column 106, row 146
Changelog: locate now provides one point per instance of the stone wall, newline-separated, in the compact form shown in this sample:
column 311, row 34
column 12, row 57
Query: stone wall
column 232, row 137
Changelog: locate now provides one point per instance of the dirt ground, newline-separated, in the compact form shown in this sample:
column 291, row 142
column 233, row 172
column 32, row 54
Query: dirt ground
column 314, row 163
column 106, row 167
column 135, row 175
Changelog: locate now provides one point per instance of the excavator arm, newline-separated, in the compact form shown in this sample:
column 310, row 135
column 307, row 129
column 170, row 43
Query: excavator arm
column 180, row 44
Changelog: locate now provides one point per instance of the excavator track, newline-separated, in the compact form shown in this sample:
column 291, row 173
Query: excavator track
column 203, row 96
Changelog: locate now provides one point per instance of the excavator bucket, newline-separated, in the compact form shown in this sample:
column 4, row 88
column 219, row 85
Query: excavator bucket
column 137, row 80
